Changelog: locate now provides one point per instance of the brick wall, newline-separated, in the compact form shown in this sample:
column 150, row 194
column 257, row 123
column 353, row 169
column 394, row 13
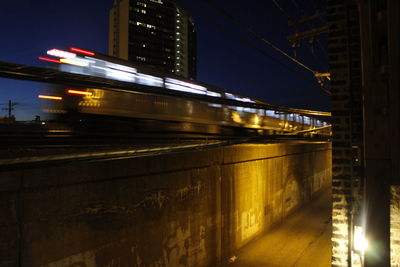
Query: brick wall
column 395, row 226
column 344, row 57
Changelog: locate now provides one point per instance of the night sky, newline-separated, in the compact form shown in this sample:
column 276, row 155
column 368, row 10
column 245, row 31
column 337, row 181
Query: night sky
column 228, row 57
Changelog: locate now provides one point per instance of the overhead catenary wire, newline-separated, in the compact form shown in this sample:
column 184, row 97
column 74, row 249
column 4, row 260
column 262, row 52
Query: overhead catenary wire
column 249, row 30
column 258, row 36
column 308, row 23
column 248, row 43
column 281, row 9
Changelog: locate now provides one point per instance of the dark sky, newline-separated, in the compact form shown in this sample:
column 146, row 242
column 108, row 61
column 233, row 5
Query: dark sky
column 228, row 57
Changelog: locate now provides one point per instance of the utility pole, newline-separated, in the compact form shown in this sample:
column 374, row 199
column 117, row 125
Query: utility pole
column 10, row 107
column 311, row 33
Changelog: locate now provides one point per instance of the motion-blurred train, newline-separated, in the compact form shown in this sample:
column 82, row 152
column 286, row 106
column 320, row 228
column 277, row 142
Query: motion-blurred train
column 182, row 114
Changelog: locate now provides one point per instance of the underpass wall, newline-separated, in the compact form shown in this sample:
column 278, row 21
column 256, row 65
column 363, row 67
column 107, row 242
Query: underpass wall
column 184, row 209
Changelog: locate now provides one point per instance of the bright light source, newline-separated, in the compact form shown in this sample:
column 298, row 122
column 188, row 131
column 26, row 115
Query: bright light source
column 60, row 53
column 243, row 99
column 50, row 97
column 360, row 242
column 78, row 92
column 49, row 59
column 214, row 94
column 75, row 61
column 148, row 80
column 120, row 67
column 186, row 84
column 120, row 75
column 82, row 51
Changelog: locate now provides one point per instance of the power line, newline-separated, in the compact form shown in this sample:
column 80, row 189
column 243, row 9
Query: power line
column 316, row 74
column 296, row 5
column 258, row 36
column 281, row 9
column 10, row 107
column 246, row 42
column 290, row 18
column 311, row 26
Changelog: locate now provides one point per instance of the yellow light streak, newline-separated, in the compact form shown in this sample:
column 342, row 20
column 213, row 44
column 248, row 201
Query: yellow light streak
column 76, row 92
column 50, row 97
column 75, row 62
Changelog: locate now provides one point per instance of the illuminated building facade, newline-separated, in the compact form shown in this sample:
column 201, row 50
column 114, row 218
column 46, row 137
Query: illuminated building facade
column 155, row 33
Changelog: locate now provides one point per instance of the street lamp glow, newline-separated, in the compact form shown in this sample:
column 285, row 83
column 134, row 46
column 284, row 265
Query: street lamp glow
column 360, row 242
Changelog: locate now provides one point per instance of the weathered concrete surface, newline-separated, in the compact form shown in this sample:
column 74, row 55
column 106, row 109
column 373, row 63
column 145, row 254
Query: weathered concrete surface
column 184, row 209
column 303, row 239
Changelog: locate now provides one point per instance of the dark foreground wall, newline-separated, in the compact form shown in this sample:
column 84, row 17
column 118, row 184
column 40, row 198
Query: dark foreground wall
column 184, row 209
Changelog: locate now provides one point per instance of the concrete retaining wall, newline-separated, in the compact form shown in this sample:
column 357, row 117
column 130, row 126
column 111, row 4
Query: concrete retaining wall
column 184, row 209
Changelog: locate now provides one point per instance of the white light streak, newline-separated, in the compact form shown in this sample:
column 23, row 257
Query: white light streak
column 60, row 53
column 182, row 88
column 149, row 80
column 237, row 98
column 214, row 94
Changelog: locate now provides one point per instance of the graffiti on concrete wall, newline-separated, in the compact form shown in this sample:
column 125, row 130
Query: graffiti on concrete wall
column 180, row 242
column 250, row 222
column 181, row 247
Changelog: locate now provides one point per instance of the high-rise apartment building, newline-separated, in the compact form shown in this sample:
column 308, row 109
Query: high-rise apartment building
column 156, row 33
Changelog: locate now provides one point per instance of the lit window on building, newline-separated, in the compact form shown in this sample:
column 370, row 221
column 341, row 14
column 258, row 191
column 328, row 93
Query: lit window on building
column 141, row 4
column 141, row 58
column 145, row 25
column 138, row 10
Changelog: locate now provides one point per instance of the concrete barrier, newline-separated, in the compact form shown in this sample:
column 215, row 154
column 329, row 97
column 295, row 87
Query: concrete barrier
column 184, row 209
